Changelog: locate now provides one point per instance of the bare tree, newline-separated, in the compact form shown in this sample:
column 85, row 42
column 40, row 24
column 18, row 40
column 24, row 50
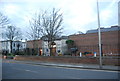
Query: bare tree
column 51, row 27
column 12, row 33
column 48, row 25
column 3, row 20
column 34, row 33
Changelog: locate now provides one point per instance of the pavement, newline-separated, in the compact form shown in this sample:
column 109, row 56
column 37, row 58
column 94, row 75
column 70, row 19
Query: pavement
column 68, row 65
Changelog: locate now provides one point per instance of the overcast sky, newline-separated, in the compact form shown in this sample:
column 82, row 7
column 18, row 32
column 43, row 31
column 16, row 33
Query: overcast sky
column 78, row 15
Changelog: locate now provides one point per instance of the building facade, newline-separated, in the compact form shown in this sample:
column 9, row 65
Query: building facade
column 89, row 42
column 34, row 47
column 41, row 46
column 16, row 45
column 59, row 47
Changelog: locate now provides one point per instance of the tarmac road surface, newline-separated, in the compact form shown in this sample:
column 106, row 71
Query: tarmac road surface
column 31, row 71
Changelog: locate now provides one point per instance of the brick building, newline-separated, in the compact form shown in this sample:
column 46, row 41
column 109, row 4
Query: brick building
column 89, row 42
column 40, row 47
column 34, row 47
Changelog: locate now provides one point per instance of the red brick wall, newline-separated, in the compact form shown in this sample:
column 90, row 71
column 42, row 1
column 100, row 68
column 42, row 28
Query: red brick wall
column 76, row 60
column 89, row 42
column 34, row 44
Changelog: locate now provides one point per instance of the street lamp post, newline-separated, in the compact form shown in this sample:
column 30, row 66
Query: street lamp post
column 99, row 35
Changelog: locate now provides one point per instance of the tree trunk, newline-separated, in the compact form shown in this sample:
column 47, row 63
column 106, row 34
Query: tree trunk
column 11, row 46
column 50, row 47
column 50, row 51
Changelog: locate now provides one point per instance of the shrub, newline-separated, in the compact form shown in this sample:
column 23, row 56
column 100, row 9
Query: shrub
column 11, row 54
column 67, row 53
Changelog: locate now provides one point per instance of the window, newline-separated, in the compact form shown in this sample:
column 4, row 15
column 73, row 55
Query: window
column 14, row 44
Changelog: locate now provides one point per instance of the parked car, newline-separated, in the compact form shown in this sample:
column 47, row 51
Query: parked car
column 88, row 54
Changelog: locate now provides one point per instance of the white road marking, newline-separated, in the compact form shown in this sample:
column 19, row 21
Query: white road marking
column 32, row 71
column 27, row 70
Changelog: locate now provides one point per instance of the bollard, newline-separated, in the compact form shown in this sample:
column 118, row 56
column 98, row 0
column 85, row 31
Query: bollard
column 80, row 54
column 94, row 54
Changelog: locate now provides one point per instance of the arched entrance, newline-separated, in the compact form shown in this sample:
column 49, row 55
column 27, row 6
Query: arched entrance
column 53, row 50
column 40, row 51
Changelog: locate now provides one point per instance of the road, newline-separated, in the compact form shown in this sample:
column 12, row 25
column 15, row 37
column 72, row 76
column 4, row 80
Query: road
column 30, row 71
column 0, row 68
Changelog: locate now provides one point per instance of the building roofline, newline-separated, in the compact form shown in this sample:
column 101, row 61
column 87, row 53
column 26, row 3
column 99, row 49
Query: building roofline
column 94, row 31
column 10, row 40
